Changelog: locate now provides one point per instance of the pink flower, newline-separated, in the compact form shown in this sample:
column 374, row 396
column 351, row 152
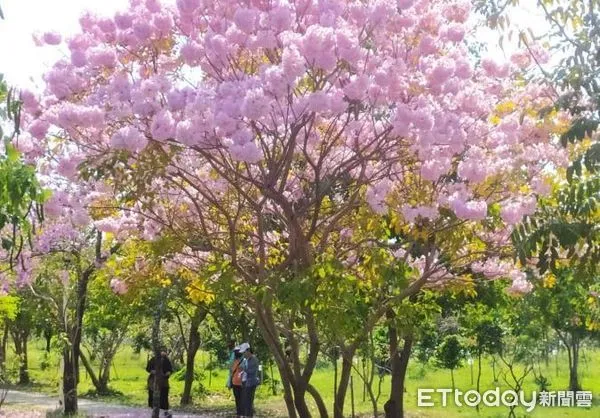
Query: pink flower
column 255, row 105
column 142, row 30
column 73, row 116
column 102, row 57
column 52, row 38
column 129, row 138
column 404, row 4
column 356, row 89
column 541, row 186
column 494, row 69
column 512, row 212
column 38, row 129
column 457, row 11
column 106, row 25
column 190, row 132
column 163, row 22
column 541, row 54
column 78, row 58
column 191, row 53
column 492, row 268
column 472, row 210
column 318, row 47
column 248, row 152
column 463, row 69
column 245, row 19
column 454, row 32
column 433, row 169
column 108, row 225
column 474, row 168
column 318, row 101
column 24, row 144
column 280, row 18
column 427, row 46
column 123, row 20
column 293, row 63
column 520, row 284
column 188, row 6
column 422, row 119
column 521, row 59
column 118, row 286
column 80, row 218
column 163, row 126
column 376, row 195
column 67, row 167
column 30, row 101
column 443, row 70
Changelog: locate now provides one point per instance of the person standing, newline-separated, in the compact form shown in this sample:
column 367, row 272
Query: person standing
column 250, row 379
column 236, row 381
column 160, row 378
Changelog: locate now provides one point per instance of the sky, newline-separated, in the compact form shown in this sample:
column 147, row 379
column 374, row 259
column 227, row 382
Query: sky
column 20, row 59
column 23, row 63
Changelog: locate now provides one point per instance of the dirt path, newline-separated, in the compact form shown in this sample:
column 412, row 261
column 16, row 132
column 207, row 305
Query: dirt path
column 30, row 405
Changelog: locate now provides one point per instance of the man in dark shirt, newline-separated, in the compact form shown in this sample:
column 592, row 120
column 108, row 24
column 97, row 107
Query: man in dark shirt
column 160, row 380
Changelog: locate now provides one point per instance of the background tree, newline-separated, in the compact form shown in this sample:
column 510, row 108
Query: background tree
column 570, row 310
column 106, row 325
column 450, row 354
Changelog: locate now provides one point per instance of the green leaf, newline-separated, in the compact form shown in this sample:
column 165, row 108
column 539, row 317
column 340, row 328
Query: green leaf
column 12, row 153
column 579, row 129
column 6, row 243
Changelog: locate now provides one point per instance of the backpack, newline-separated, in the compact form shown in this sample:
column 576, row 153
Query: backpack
column 236, row 373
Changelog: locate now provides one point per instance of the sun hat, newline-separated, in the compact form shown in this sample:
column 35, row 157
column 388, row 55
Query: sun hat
column 244, row 347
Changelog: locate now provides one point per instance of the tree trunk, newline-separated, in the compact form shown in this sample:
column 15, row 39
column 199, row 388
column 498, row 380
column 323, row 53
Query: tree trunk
column 369, row 385
column 69, row 383
column 200, row 313
column 288, row 396
column 3, row 345
column 23, row 365
column 295, row 375
column 394, row 407
column 71, row 354
column 157, row 355
column 478, row 375
column 300, row 401
column 574, row 384
column 90, row 369
column 74, row 333
column 452, row 377
column 340, row 396
column 318, row 400
column 48, row 338
column 104, row 377
column 20, row 337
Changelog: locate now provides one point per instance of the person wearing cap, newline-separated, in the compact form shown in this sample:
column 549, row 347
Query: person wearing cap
column 161, row 379
column 235, row 383
column 250, row 379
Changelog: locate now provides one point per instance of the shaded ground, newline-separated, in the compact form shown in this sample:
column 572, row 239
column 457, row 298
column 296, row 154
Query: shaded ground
column 34, row 405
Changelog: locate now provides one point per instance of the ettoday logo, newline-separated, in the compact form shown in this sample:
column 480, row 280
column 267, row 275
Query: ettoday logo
column 508, row 398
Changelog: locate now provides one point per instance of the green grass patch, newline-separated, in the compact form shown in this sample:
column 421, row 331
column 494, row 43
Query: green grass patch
column 128, row 383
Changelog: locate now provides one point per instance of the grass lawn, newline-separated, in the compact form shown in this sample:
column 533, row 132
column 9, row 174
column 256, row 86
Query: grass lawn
column 129, row 378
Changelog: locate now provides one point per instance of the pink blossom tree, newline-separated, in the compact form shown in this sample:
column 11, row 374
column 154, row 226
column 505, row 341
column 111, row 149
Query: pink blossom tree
column 255, row 131
column 61, row 256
